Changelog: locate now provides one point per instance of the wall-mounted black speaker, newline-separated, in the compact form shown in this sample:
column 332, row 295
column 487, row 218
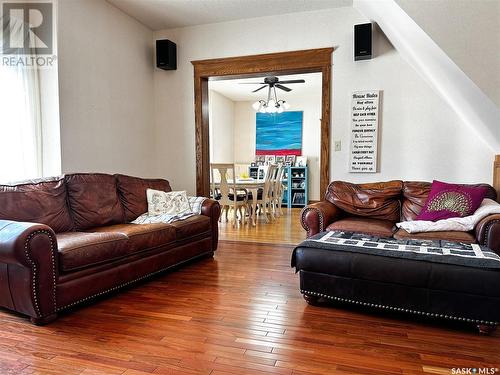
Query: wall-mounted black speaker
column 166, row 54
column 363, row 41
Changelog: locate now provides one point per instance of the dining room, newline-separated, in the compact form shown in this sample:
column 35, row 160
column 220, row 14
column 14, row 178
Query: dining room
column 264, row 141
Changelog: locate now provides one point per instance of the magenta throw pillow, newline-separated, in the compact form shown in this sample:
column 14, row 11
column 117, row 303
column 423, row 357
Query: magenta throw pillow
column 451, row 200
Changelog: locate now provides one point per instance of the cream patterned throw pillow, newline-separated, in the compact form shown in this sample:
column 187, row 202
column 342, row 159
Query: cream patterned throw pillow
column 163, row 203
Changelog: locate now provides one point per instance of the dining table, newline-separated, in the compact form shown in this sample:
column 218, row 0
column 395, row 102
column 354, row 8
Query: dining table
column 251, row 185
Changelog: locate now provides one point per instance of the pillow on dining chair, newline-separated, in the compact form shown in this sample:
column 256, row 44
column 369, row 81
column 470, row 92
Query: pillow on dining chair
column 171, row 203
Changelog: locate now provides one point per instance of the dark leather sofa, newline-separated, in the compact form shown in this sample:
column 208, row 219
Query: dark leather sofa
column 446, row 291
column 65, row 240
column 375, row 208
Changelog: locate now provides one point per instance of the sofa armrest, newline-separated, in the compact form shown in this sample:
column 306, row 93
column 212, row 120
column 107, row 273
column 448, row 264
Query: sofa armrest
column 211, row 208
column 317, row 216
column 28, row 268
column 488, row 232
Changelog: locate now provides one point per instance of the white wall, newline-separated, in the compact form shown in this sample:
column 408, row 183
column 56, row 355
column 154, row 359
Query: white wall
column 51, row 130
column 244, row 132
column 221, row 118
column 106, row 90
column 421, row 137
column 244, row 135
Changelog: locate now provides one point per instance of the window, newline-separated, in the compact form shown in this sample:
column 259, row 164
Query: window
column 29, row 111
column 20, row 124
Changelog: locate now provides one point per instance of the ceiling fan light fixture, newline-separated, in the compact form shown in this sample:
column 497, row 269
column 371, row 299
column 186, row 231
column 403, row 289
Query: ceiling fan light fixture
column 272, row 104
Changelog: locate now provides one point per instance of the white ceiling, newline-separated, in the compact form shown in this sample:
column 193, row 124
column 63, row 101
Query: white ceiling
column 167, row 14
column 234, row 90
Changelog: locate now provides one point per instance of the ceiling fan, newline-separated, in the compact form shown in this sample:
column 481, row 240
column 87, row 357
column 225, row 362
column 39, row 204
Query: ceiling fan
column 272, row 104
column 272, row 82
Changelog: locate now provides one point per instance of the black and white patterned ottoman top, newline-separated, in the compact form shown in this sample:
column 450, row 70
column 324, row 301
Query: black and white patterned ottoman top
column 462, row 254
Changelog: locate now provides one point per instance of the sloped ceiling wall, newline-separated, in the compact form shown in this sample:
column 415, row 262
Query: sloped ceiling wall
column 473, row 107
column 468, row 32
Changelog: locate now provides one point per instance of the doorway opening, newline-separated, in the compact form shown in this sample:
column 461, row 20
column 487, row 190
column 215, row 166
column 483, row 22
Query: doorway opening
column 251, row 137
column 211, row 146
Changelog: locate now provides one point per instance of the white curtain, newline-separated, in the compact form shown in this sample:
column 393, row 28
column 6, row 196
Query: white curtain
column 20, row 120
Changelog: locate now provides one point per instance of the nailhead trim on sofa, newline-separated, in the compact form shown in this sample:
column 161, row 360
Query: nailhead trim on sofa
column 487, row 230
column 399, row 309
column 34, row 288
column 305, row 226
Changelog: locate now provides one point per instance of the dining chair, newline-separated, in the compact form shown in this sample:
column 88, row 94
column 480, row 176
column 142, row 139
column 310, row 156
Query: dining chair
column 264, row 195
column 278, row 190
column 261, row 176
column 225, row 191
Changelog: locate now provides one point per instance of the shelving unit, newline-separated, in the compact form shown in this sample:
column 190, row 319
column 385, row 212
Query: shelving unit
column 296, row 185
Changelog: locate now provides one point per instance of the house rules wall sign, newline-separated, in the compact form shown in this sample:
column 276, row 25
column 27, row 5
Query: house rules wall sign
column 364, row 131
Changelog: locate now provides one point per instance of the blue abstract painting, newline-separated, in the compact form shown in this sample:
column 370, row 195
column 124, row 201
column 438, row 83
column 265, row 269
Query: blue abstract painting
column 279, row 133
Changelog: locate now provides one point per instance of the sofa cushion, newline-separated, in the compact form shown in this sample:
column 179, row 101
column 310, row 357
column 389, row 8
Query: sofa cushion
column 415, row 195
column 446, row 201
column 93, row 200
column 453, row 236
column 192, row 226
column 38, row 201
column 142, row 236
column 79, row 250
column 376, row 200
column 132, row 192
column 374, row 227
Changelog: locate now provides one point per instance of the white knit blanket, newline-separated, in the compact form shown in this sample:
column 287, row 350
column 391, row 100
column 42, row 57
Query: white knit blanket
column 194, row 202
column 461, row 224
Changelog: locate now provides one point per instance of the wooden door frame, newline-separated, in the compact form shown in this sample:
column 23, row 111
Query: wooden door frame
column 282, row 63
column 496, row 175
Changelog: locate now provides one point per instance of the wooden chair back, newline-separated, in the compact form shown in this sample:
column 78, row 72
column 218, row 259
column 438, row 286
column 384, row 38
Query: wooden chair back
column 269, row 181
column 278, row 185
column 226, row 173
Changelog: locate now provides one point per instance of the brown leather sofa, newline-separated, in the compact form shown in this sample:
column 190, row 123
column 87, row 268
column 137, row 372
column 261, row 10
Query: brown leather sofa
column 65, row 240
column 375, row 208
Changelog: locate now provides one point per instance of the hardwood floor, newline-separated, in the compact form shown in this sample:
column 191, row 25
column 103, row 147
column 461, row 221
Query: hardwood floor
column 239, row 313
column 284, row 230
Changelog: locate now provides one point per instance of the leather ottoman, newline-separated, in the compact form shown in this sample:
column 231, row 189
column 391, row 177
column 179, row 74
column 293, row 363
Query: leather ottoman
column 452, row 286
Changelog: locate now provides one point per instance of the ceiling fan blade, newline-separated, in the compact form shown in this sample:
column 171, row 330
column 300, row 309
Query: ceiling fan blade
column 252, row 83
column 294, row 81
column 260, row 88
column 282, row 87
